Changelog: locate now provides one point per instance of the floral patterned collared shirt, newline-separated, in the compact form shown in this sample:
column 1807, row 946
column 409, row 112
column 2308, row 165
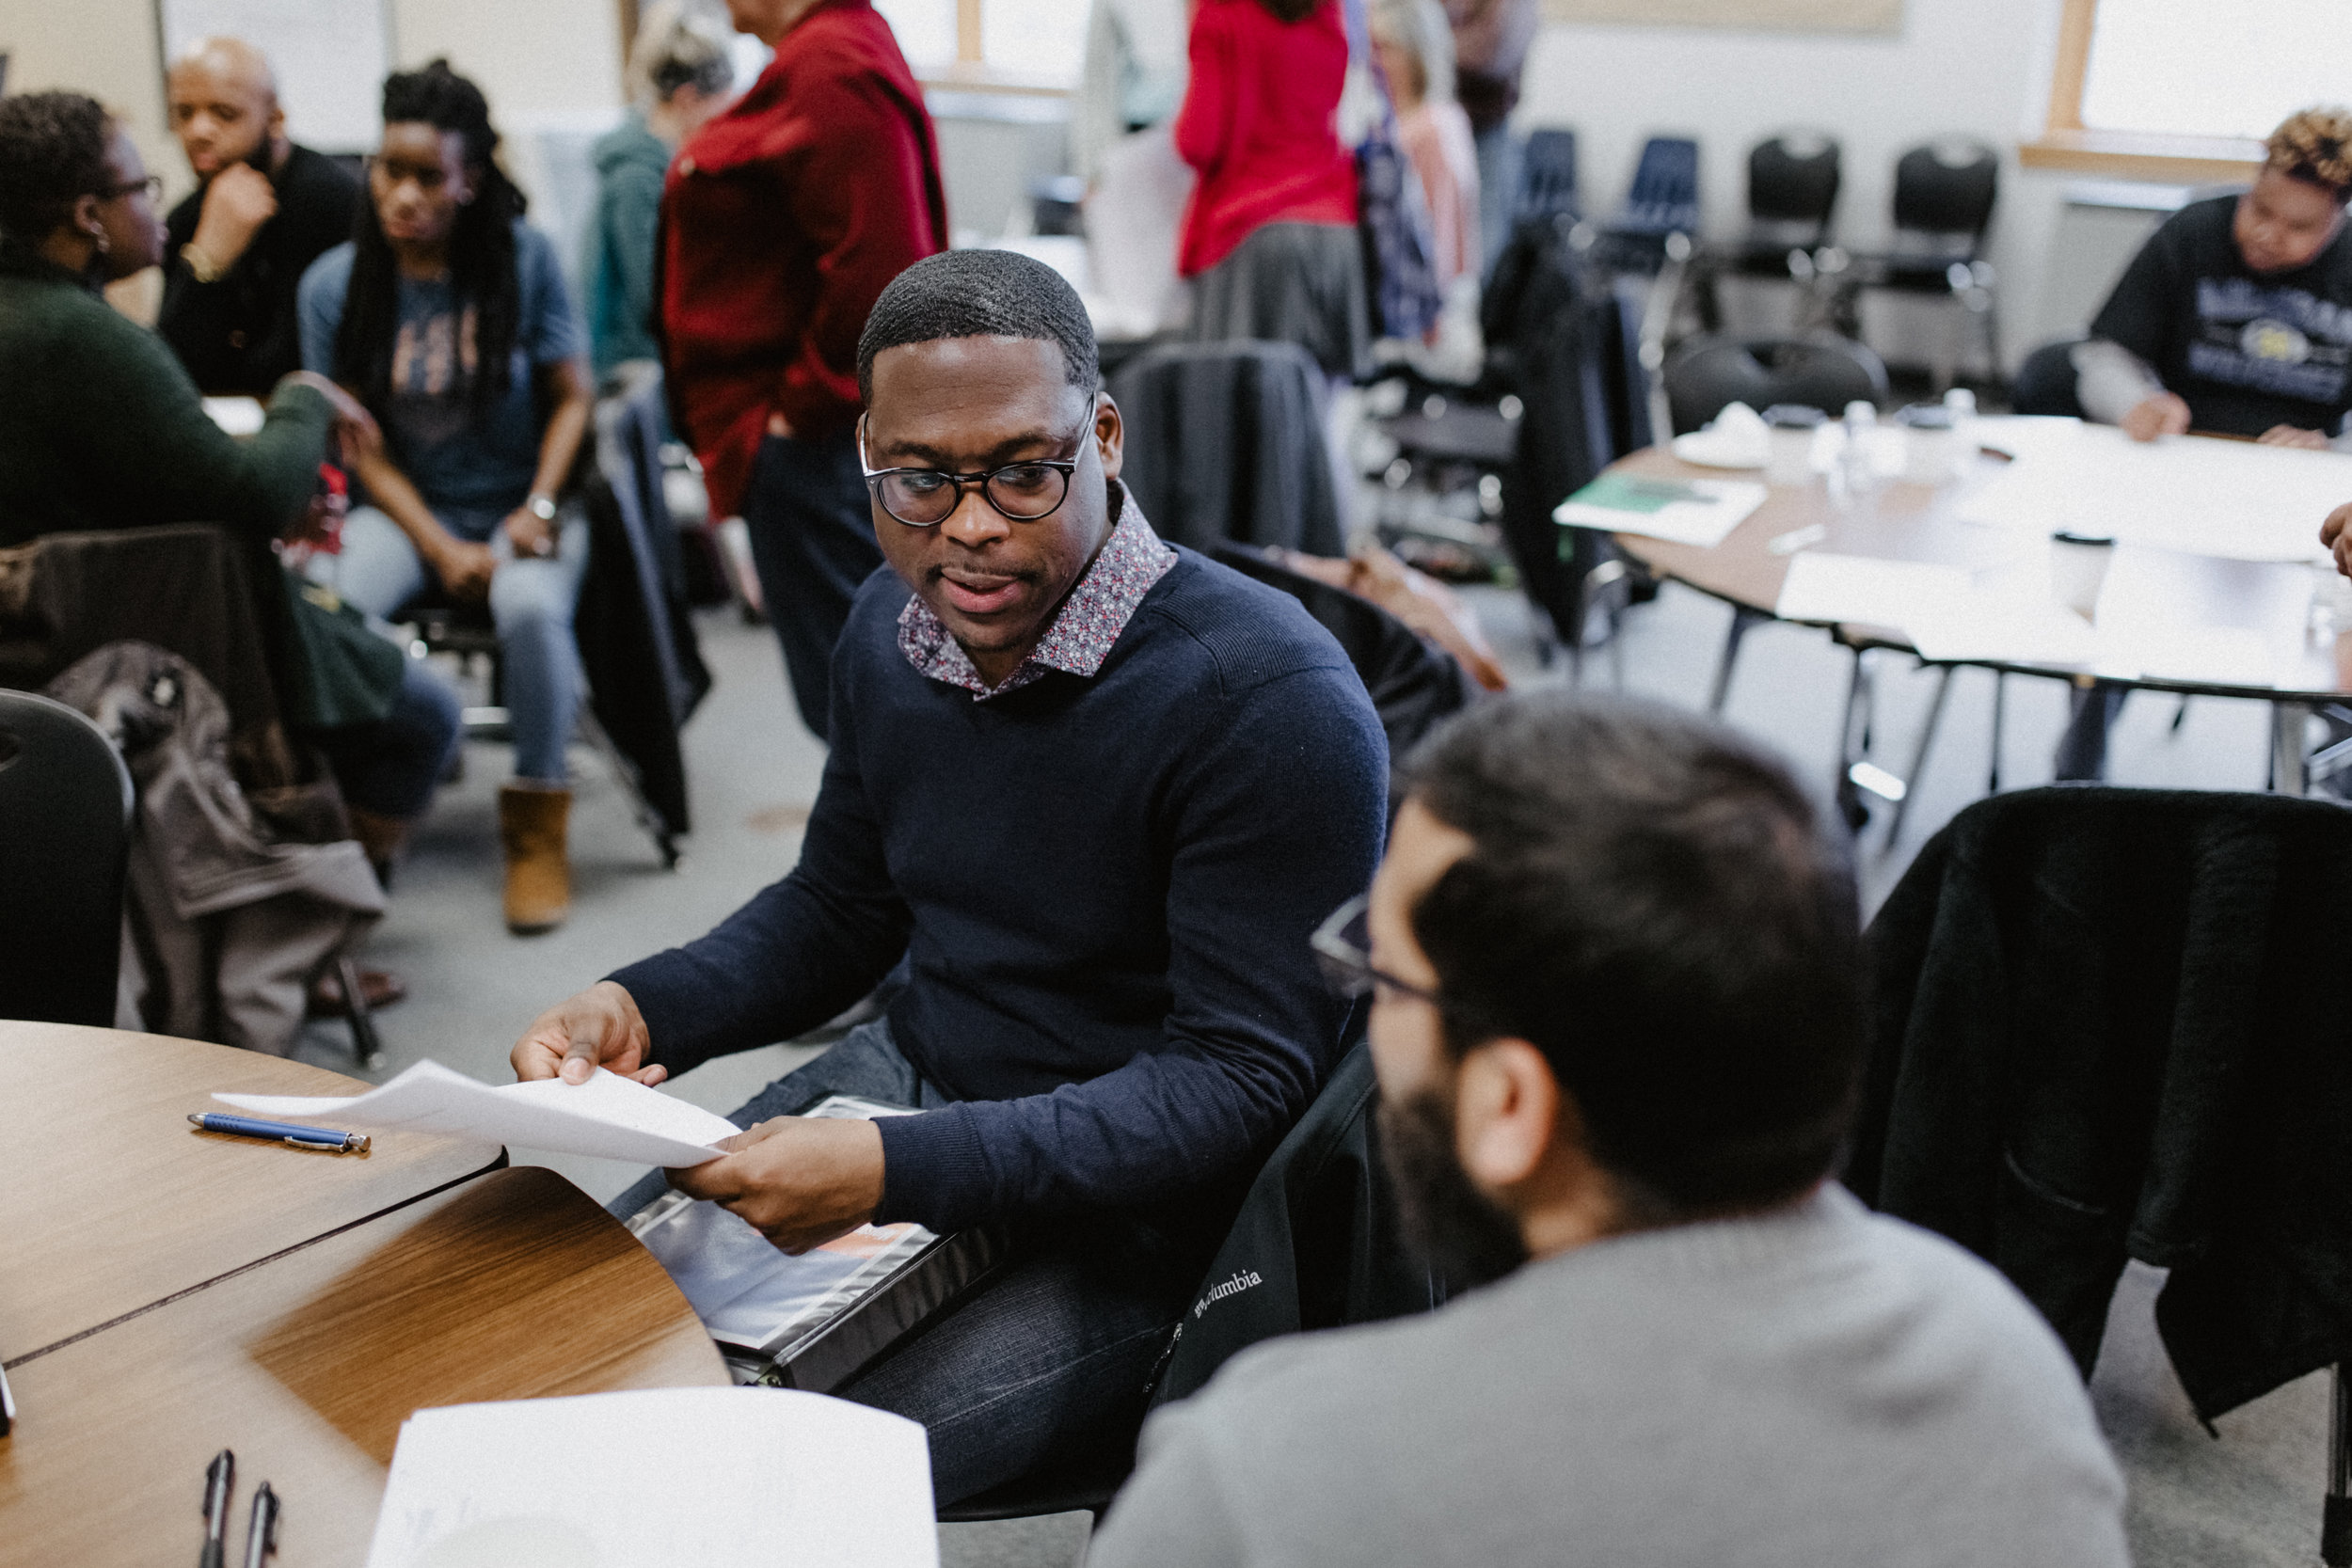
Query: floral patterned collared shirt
column 1131, row 561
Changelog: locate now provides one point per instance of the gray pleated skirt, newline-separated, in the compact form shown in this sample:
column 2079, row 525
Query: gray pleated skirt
column 1291, row 282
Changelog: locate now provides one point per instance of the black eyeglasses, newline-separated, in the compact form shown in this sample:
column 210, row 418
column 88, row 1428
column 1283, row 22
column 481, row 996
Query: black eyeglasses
column 152, row 185
column 1343, row 946
column 1026, row 492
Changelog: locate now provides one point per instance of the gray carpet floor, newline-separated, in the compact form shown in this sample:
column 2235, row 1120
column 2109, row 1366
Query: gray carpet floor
column 2249, row 1497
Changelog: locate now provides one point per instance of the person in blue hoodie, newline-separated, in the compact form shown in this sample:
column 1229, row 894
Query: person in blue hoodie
column 682, row 75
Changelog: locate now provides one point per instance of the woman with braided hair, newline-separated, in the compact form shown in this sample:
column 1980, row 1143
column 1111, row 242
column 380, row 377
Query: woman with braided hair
column 447, row 315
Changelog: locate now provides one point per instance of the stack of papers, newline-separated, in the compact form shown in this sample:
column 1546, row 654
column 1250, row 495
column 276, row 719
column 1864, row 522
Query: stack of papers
column 659, row 1478
column 607, row 1118
column 1697, row 511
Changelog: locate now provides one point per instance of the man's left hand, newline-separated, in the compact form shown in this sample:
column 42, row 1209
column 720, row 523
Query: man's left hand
column 2288, row 436
column 798, row 1180
column 532, row 537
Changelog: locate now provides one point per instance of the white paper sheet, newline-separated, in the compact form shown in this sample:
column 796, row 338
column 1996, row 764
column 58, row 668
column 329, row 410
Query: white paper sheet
column 607, row 1118
column 2199, row 497
column 2002, row 628
column 1829, row 588
column 707, row 1478
column 1717, row 507
column 2165, row 613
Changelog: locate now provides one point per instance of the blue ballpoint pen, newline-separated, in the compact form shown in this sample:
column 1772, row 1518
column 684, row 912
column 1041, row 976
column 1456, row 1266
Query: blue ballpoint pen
column 283, row 1131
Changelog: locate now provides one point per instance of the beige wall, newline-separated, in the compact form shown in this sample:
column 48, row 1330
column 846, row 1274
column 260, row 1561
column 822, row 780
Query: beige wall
column 105, row 48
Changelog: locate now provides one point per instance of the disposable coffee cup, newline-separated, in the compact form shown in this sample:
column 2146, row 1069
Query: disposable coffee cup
column 1789, row 451
column 1930, row 447
column 2078, row 568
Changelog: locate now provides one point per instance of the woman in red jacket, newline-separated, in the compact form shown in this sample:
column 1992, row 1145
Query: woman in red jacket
column 1270, row 237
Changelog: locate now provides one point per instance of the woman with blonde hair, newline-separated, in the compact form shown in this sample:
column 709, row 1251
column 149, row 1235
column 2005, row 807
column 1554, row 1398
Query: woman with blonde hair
column 680, row 73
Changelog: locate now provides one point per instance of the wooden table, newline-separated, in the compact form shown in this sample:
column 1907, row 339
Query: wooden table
column 165, row 1293
column 515, row 1286
column 113, row 1203
column 1915, row 522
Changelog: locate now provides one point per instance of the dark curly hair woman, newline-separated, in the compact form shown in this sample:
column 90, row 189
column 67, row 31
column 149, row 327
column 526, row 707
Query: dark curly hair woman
column 447, row 315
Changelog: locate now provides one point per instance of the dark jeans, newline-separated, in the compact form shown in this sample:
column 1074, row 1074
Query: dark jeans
column 1047, row 1361
column 813, row 543
column 2082, row 749
column 390, row 766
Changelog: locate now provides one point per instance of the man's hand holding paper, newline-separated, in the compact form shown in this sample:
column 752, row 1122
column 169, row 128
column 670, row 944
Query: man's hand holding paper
column 600, row 1028
column 796, row 1181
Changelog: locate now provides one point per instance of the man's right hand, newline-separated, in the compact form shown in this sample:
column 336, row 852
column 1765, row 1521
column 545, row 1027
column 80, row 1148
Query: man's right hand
column 2164, row 414
column 599, row 1028
column 236, row 204
column 465, row 569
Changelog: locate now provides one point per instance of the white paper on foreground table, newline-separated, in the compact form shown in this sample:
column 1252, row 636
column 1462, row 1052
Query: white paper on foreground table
column 609, row 1117
column 659, row 1478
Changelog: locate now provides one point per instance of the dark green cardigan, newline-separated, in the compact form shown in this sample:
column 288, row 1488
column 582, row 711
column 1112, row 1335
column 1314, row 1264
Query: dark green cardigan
column 99, row 428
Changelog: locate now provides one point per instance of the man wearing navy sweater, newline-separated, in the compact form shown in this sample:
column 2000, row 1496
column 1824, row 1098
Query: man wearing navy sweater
column 1098, row 792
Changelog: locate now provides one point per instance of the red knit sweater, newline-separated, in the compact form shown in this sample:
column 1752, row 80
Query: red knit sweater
column 782, row 220
column 1257, row 125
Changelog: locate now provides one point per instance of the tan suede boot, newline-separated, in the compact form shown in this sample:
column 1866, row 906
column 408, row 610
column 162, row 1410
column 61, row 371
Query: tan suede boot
column 531, row 820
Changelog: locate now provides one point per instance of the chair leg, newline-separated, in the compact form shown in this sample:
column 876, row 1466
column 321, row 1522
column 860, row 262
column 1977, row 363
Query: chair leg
column 1741, row 621
column 1850, row 753
column 1919, row 759
column 2000, row 715
column 364, row 1045
column 2179, row 713
column 2335, row 1526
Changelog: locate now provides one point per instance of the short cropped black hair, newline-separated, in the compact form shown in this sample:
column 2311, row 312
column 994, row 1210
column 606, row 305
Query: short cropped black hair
column 53, row 149
column 981, row 293
column 1655, row 903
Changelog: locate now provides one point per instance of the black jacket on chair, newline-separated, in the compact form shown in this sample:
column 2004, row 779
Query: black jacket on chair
column 1316, row 1244
column 2114, row 1023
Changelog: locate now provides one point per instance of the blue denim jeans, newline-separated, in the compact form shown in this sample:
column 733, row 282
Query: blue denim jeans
column 531, row 605
column 812, row 535
column 1048, row 1359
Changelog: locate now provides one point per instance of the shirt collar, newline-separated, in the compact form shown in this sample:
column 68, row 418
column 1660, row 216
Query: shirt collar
column 1083, row 632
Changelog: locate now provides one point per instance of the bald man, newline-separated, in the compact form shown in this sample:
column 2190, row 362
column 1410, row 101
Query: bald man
column 263, row 210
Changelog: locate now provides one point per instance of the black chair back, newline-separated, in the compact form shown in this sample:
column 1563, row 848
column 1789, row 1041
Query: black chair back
column 1546, row 175
column 64, row 841
column 1793, row 186
column 1225, row 441
column 1945, row 189
column 1708, row 375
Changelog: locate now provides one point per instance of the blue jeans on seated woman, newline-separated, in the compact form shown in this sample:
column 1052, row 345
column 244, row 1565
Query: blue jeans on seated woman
column 1048, row 1360
column 531, row 605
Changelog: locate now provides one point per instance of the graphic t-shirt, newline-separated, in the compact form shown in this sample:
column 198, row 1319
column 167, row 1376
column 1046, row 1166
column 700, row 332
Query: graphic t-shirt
column 467, row 462
column 2246, row 350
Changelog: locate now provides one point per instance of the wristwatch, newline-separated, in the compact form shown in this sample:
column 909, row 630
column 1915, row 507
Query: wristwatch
column 542, row 507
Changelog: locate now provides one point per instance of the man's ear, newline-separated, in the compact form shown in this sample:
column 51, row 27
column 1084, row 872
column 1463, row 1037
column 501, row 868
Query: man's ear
column 1506, row 1121
column 1110, row 437
column 87, row 221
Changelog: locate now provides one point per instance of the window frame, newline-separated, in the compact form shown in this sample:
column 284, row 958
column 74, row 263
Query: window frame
column 2066, row 143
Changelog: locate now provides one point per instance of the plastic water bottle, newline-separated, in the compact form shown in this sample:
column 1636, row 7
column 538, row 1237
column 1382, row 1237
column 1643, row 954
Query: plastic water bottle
column 1857, row 476
column 1961, row 403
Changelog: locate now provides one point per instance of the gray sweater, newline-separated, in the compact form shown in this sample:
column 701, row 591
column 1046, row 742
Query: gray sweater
column 1817, row 1388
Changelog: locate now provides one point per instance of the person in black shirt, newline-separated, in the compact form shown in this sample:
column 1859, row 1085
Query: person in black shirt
column 264, row 210
column 2236, row 316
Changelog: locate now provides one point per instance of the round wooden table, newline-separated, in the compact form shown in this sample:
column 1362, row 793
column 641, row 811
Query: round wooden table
column 1921, row 523
column 165, row 1293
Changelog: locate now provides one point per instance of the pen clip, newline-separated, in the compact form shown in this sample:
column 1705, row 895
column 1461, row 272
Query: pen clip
column 317, row 1145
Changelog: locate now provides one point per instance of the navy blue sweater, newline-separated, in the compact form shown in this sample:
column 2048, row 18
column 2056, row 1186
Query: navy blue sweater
column 1104, row 887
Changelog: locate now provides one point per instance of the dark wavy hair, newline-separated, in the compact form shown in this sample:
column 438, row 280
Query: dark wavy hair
column 52, row 152
column 1655, row 903
column 481, row 250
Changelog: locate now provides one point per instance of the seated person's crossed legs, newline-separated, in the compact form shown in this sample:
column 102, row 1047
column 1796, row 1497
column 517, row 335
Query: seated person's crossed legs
column 1096, row 792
